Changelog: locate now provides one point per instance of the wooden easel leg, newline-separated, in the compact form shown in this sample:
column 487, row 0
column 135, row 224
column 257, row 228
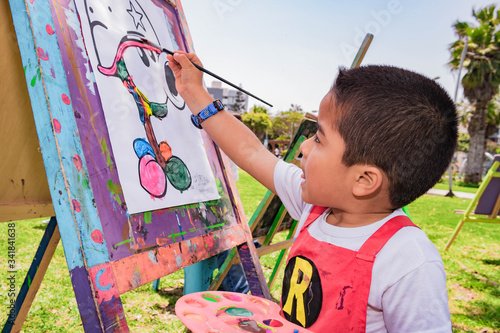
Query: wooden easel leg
column 253, row 272
column 33, row 278
column 156, row 285
column 277, row 266
column 455, row 233
column 282, row 256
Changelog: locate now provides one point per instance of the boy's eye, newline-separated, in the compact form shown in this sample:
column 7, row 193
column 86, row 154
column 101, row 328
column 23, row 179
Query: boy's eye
column 316, row 139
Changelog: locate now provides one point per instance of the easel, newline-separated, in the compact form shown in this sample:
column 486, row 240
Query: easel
column 271, row 216
column 25, row 192
column 486, row 202
column 92, row 220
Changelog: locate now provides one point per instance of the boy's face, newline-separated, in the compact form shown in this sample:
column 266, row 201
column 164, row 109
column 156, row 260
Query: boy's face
column 326, row 178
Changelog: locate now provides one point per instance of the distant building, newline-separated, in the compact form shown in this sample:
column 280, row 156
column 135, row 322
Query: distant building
column 234, row 100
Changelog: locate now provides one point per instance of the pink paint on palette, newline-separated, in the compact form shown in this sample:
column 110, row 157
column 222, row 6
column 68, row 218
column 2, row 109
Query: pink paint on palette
column 220, row 311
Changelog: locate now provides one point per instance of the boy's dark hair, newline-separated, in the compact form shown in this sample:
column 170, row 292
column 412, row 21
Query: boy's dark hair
column 399, row 121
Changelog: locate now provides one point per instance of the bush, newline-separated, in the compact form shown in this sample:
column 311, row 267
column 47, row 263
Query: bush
column 461, row 183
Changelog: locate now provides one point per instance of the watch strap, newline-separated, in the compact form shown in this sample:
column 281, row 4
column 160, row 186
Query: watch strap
column 207, row 112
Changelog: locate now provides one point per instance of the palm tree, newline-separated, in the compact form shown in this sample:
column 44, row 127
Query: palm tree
column 482, row 62
column 465, row 111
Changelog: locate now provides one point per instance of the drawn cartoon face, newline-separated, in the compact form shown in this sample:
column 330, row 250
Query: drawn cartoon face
column 114, row 22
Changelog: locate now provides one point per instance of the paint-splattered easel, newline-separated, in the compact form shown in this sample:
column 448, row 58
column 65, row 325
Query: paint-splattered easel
column 108, row 252
column 271, row 217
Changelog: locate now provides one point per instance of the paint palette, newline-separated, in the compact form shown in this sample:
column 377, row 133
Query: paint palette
column 220, row 311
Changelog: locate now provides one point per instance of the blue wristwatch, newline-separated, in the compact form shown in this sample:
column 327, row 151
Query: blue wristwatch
column 207, row 112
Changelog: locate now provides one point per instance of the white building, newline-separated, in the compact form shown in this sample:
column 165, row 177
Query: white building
column 229, row 97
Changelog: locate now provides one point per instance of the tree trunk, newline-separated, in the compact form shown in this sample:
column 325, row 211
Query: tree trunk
column 475, row 157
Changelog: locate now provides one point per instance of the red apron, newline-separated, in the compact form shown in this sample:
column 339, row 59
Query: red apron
column 326, row 287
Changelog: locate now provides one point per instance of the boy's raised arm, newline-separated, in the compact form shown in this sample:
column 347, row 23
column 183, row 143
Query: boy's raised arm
column 231, row 135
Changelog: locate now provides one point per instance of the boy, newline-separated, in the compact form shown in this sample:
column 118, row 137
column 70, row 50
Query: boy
column 385, row 136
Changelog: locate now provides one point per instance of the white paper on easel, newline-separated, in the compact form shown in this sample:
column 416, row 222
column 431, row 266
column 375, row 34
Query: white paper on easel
column 160, row 156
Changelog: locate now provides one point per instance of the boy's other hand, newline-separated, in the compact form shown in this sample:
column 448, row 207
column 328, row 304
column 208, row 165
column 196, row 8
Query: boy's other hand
column 189, row 80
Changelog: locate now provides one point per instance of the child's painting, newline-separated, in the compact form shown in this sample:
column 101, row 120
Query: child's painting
column 159, row 154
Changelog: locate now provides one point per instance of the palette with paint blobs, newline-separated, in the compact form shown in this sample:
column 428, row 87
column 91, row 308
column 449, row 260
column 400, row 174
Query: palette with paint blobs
column 220, row 311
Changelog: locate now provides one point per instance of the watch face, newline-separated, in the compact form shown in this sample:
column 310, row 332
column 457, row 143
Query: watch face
column 218, row 105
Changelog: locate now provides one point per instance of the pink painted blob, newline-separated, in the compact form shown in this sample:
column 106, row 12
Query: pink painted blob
column 151, row 176
column 65, row 99
column 49, row 29
column 77, row 161
column 76, row 205
column 42, row 54
column 57, row 125
column 96, row 236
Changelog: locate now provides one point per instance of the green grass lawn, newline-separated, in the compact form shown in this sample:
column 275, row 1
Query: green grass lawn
column 472, row 265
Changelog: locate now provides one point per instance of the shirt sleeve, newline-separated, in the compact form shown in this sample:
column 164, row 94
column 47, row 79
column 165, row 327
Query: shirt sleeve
column 418, row 302
column 287, row 179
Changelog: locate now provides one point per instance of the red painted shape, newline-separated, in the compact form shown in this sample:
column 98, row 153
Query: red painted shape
column 77, row 161
column 76, row 205
column 65, row 99
column 57, row 125
column 42, row 54
column 96, row 236
column 49, row 29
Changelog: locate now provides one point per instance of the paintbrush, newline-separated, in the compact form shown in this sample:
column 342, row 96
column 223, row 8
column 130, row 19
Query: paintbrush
column 144, row 40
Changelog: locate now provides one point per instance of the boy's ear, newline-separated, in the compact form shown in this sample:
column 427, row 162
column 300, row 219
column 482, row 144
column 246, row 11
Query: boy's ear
column 369, row 180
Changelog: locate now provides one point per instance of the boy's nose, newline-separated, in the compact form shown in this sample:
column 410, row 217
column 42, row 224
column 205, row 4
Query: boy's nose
column 304, row 147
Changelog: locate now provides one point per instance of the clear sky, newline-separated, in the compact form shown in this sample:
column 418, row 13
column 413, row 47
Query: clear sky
column 289, row 51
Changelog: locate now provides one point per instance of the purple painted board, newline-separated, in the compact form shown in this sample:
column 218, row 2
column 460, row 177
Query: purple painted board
column 124, row 234
column 490, row 195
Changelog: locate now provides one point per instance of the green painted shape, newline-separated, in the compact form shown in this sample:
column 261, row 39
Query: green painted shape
column 147, row 217
column 105, row 151
column 176, row 235
column 215, row 226
column 121, row 70
column 159, row 110
column 115, row 190
column 178, row 174
column 38, row 76
column 124, row 242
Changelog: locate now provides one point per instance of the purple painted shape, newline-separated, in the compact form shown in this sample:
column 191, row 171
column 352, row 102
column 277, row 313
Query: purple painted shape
column 489, row 197
column 102, row 170
column 249, row 269
column 85, row 300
